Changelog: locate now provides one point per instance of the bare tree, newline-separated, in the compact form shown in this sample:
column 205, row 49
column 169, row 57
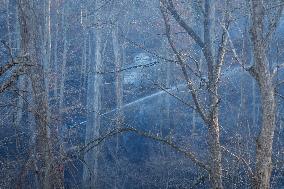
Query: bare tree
column 94, row 104
column 264, row 76
column 208, row 112
column 31, row 41
column 163, row 70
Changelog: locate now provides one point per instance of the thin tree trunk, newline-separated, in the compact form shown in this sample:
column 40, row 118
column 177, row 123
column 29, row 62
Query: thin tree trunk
column 55, row 49
column 118, row 77
column 85, row 44
column 60, row 84
column 93, row 110
column 64, row 62
column 9, row 35
column 118, row 59
column 47, row 44
column 88, row 172
column 21, row 81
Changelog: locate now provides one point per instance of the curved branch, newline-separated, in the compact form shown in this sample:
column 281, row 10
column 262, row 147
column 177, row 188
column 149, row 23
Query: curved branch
column 168, row 142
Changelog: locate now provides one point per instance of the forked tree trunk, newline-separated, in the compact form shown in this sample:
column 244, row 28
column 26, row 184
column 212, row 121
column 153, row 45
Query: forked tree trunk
column 214, row 64
column 213, row 119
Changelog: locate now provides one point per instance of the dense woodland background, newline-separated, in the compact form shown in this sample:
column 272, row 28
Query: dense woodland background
column 129, row 94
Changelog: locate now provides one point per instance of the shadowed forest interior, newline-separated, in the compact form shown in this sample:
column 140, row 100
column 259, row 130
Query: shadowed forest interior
column 137, row 94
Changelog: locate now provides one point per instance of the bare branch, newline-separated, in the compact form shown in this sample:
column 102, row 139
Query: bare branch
column 147, row 50
column 168, row 142
column 12, row 62
column 280, row 82
column 7, row 84
column 130, row 68
column 175, row 96
column 239, row 158
column 6, row 67
column 275, row 6
column 276, row 69
column 281, row 96
column 170, row 6
column 199, row 107
column 207, row 50
column 197, row 74
column 235, row 54
column 273, row 25
column 222, row 49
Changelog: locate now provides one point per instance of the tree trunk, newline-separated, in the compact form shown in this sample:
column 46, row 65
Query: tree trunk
column 8, row 23
column 118, row 59
column 84, row 52
column 214, row 141
column 264, row 141
column 21, row 82
column 93, row 109
column 215, row 151
column 214, row 64
column 214, row 127
column 118, row 76
column 31, row 42
column 261, row 72
column 47, row 44
column 64, row 60
column 55, row 49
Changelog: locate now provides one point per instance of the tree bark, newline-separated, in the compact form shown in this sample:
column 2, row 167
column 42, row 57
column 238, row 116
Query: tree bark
column 94, row 109
column 64, row 59
column 47, row 44
column 262, row 74
column 118, row 59
column 31, row 46
column 84, row 22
